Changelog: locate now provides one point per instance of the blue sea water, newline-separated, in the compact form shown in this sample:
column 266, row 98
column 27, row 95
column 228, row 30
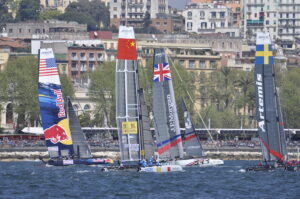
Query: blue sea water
column 33, row 180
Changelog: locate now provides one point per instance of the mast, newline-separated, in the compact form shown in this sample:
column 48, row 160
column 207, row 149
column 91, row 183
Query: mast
column 127, row 102
column 191, row 142
column 52, row 107
column 268, row 112
column 169, row 142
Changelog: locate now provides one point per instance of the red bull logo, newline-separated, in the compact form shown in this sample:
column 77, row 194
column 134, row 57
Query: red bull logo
column 56, row 134
column 60, row 103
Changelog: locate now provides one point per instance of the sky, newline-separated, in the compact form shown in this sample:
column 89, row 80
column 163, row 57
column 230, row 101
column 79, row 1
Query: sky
column 179, row 4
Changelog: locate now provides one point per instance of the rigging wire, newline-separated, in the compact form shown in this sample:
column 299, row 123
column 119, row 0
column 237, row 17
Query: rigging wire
column 190, row 98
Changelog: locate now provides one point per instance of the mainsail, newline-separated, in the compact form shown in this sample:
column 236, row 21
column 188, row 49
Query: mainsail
column 268, row 113
column 147, row 141
column 168, row 137
column 191, row 142
column 127, row 102
column 52, row 107
column 80, row 143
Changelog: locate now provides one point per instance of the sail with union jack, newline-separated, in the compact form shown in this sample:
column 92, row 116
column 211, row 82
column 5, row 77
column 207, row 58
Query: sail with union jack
column 162, row 72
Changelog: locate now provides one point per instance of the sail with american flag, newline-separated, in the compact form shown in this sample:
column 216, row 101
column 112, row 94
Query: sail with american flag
column 54, row 118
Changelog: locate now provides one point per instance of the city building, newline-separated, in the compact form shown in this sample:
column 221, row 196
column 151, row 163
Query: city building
column 280, row 18
column 207, row 18
column 234, row 5
column 49, row 29
column 289, row 22
column 132, row 12
column 84, row 56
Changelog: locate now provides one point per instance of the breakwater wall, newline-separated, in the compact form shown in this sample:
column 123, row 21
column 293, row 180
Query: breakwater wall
column 34, row 153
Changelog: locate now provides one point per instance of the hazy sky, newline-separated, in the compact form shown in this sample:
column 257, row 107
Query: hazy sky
column 179, row 4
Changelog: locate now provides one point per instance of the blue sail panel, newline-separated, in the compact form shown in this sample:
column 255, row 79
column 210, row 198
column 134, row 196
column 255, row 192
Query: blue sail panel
column 52, row 107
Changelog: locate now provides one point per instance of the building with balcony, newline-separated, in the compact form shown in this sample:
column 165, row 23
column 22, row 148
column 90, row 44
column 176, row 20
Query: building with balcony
column 289, row 22
column 207, row 17
column 49, row 29
column 132, row 12
column 260, row 15
column 234, row 5
column 84, row 56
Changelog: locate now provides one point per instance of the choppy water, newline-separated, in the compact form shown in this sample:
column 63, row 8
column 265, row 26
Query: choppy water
column 34, row 180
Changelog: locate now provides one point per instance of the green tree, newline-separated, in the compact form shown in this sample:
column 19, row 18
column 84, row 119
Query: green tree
column 94, row 13
column 49, row 14
column 29, row 10
column 19, row 84
column 5, row 16
column 290, row 98
column 102, row 91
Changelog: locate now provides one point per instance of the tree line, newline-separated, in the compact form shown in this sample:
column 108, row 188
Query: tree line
column 93, row 13
column 19, row 86
column 227, row 95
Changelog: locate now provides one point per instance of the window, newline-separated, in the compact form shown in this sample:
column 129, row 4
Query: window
column 222, row 24
column 203, row 25
column 20, row 30
column 10, row 30
column 87, row 107
column 202, row 14
column 267, row 22
column 91, row 56
column 202, row 64
column 189, row 15
column 213, row 14
column 91, row 66
column 222, row 14
column 181, row 62
column 189, row 25
column 192, row 64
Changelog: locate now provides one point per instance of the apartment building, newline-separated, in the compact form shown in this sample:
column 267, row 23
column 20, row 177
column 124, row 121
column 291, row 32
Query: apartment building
column 50, row 29
column 280, row 18
column 207, row 17
column 132, row 12
column 234, row 5
column 289, row 22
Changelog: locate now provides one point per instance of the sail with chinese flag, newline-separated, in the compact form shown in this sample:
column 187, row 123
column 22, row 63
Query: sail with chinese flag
column 127, row 100
column 126, row 44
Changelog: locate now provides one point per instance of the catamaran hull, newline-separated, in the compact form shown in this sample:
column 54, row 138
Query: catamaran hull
column 90, row 161
column 293, row 168
column 199, row 162
column 161, row 169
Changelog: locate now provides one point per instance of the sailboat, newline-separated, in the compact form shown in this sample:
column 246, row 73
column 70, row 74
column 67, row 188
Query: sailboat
column 132, row 123
column 193, row 150
column 64, row 138
column 268, row 112
column 172, row 146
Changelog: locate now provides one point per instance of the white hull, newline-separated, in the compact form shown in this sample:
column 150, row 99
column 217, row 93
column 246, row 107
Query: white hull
column 161, row 169
column 202, row 162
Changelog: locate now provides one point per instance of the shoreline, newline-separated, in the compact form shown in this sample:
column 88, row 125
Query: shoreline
column 115, row 155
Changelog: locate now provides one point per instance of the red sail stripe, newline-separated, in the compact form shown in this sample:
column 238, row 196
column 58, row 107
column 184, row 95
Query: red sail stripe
column 168, row 146
column 275, row 153
column 190, row 137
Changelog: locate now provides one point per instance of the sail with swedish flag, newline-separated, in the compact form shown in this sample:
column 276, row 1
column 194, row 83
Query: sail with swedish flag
column 268, row 112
